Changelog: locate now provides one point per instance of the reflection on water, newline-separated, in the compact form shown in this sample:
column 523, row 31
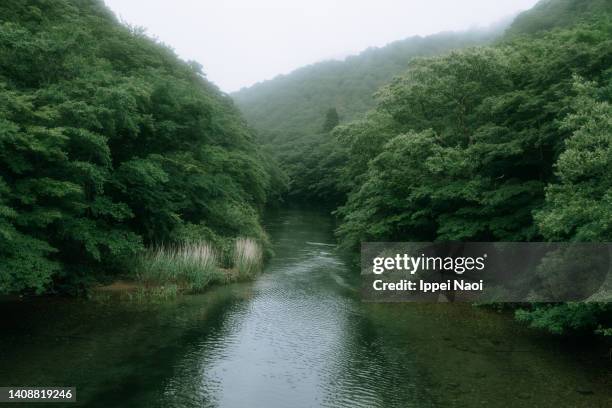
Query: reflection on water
column 297, row 337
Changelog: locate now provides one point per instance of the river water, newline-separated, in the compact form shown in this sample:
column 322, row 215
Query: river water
column 298, row 336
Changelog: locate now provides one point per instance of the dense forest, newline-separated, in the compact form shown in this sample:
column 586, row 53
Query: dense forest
column 508, row 142
column 110, row 143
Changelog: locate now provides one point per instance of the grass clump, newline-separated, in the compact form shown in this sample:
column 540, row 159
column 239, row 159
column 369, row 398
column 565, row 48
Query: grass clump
column 248, row 257
column 191, row 266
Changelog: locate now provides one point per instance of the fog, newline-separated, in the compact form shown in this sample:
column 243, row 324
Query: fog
column 241, row 42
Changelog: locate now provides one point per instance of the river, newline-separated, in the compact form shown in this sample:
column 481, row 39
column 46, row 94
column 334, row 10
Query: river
column 299, row 336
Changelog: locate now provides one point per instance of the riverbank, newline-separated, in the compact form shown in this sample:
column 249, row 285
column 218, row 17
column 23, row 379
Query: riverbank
column 134, row 290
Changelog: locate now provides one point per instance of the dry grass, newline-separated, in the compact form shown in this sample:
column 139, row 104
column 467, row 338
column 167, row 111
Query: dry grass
column 248, row 257
column 194, row 266
column 191, row 265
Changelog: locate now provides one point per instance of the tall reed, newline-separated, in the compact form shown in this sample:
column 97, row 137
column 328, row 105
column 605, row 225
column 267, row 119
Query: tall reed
column 189, row 265
column 248, row 257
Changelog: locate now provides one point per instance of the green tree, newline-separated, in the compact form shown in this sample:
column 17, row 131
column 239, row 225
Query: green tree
column 331, row 120
column 578, row 207
column 579, row 203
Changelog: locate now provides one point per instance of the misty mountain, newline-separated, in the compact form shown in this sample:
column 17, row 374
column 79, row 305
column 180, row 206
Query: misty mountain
column 297, row 102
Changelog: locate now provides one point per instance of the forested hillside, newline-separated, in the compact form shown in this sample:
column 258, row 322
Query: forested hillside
column 109, row 143
column 510, row 142
column 477, row 144
column 464, row 147
column 297, row 102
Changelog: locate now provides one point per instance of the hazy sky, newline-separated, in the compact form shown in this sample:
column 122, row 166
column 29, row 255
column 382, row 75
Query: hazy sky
column 240, row 42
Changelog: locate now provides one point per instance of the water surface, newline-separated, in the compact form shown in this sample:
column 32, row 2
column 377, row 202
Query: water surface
column 298, row 336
